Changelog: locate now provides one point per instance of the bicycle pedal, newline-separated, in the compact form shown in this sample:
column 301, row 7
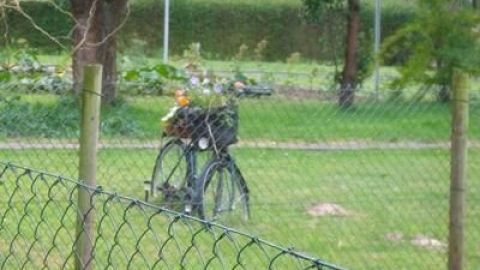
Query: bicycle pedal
column 188, row 209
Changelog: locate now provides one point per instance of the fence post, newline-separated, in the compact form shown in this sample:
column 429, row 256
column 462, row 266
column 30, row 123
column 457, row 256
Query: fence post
column 458, row 171
column 91, row 97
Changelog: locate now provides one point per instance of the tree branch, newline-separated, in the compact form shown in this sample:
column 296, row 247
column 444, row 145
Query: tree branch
column 88, row 26
column 15, row 5
column 114, row 31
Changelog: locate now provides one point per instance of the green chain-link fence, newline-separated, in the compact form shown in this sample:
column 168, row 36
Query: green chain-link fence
column 365, row 187
column 37, row 230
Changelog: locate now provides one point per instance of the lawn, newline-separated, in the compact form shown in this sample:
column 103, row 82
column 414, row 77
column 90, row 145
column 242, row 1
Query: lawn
column 392, row 197
column 278, row 118
column 403, row 193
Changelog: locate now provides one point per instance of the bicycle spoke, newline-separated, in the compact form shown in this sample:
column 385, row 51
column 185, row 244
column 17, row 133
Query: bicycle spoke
column 225, row 195
column 170, row 173
column 218, row 194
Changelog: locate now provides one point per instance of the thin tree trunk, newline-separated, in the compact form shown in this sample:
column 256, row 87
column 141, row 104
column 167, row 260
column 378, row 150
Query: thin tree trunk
column 349, row 73
column 106, row 19
column 113, row 11
column 87, row 31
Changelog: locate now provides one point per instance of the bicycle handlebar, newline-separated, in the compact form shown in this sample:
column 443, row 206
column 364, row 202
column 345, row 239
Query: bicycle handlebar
column 255, row 91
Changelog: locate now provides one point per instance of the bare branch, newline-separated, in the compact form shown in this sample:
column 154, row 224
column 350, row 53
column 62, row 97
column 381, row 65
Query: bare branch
column 109, row 35
column 15, row 5
column 88, row 26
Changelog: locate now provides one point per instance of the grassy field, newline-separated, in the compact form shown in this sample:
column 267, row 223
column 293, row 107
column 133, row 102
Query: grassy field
column 403, row 193
column 394, row 198
column 276, row 118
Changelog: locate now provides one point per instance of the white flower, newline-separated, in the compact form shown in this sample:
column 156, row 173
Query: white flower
column 195, row 81
column 170, row 114
column 206, row 91
column 218, row 88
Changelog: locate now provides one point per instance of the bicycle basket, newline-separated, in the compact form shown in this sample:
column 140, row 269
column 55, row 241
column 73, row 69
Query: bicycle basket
column 218, row 125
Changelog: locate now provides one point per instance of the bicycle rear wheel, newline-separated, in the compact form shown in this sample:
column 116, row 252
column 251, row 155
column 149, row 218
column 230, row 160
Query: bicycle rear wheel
column 222, row 192
column 170, row 172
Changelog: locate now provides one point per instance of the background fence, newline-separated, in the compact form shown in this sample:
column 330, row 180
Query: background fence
column 365, row 187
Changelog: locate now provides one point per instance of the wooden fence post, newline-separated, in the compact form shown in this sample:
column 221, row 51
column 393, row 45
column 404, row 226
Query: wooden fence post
column 458, row 175
column 91, row 97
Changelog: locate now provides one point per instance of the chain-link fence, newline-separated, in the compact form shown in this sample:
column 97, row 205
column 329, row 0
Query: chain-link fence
column 365, row 187
column 38, row 221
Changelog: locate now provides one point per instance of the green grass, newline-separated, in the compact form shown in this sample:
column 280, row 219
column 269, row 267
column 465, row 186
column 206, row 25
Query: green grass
column 385, row 191
column 275, row 118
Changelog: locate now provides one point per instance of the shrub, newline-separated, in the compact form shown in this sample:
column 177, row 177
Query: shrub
column 221, row 27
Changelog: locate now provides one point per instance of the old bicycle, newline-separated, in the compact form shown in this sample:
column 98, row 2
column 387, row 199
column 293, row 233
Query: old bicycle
column 219, row 187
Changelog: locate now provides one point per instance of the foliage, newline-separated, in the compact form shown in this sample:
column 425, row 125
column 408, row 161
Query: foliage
column 441, row 38
column 151, row 80
column 19, row 32
column 314, row 10
column 118, row 121
column 22, row 71
column 46, row 117
column 259, row 50
column 193, row 55
column 21, row 118
column 220, row 26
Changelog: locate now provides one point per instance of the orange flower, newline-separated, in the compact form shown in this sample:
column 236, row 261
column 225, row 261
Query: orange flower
column 182, row 101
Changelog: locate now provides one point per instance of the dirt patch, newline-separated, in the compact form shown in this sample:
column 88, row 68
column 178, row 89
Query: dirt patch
column 427, row 242
column 327, row 209
column 418, row 240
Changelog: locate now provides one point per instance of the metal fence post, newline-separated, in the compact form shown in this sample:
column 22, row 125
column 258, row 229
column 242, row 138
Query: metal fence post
column 458, row 171
column 91, row 98
column 166, row 30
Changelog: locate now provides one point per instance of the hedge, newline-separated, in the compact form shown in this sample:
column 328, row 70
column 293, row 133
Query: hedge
column 220, row 26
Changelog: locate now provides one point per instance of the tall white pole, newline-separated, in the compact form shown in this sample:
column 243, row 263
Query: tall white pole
column 377, row 45
column 166, row 29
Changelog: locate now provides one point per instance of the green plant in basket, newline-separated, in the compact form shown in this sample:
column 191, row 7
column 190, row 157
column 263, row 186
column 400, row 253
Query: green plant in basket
column 204, row 108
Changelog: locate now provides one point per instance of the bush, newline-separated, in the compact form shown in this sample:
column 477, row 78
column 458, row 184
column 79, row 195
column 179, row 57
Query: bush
column 220, row 26
column 59, row 118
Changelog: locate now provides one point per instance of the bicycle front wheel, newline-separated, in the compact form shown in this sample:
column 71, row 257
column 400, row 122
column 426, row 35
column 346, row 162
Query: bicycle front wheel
column 222, row 192
column 170, row 171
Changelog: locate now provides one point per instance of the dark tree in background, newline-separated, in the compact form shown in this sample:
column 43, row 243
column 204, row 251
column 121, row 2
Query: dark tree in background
column 350, row 67
column 94, row 40
column 349, row 79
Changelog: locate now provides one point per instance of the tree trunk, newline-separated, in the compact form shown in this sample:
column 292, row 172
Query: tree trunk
column 113, row 11
column 349, row 73
column 106, row 19
column 84, row 54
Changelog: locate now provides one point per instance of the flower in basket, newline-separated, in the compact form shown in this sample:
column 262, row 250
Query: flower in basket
column 206, row 109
